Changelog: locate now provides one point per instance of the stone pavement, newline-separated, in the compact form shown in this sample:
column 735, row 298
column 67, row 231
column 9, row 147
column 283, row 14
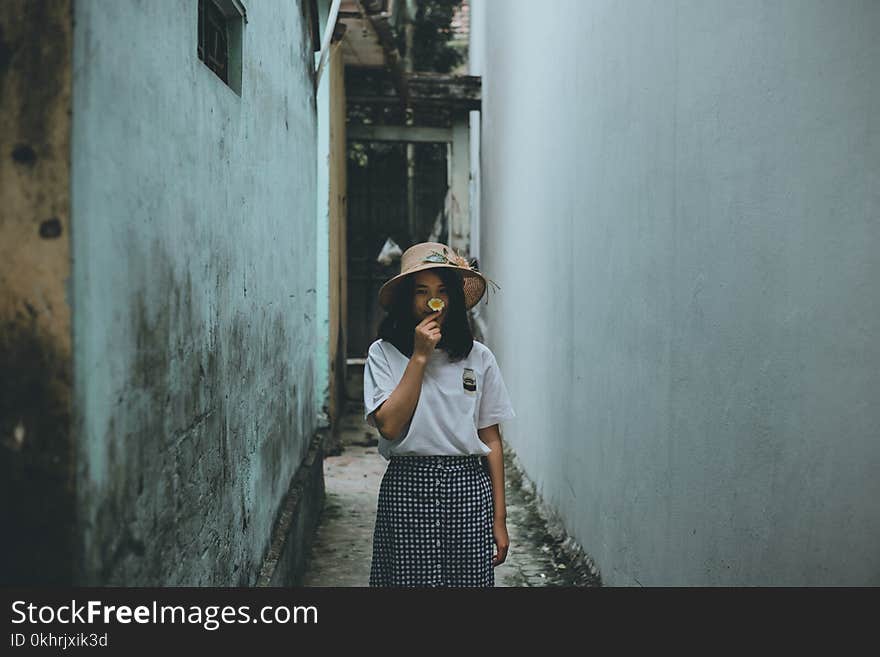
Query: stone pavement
column 342, row 549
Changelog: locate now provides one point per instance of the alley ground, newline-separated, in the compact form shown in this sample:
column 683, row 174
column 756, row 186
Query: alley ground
column 353, row 470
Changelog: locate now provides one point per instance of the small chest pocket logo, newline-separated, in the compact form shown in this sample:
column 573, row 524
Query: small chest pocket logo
column 469, row 380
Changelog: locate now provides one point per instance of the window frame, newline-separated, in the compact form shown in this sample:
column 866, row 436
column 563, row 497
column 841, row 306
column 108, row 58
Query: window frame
column 234, row 16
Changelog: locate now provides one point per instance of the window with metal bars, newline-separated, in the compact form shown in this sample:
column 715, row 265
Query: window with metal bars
column 213, row 39
column 220, row 39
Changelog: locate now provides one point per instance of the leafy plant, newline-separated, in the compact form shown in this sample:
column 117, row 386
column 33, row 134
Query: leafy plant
column 431, row 36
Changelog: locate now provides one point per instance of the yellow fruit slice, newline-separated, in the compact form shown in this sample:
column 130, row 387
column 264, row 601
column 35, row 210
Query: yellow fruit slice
column 435, row 304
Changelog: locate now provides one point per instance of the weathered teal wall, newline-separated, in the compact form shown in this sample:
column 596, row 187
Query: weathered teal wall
column 681, row 202
column 194, row 268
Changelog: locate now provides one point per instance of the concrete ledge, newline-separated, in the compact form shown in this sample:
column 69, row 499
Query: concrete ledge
column 294, row 531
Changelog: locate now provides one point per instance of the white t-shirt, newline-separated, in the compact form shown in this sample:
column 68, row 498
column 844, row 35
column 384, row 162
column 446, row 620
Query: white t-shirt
column 456, row 399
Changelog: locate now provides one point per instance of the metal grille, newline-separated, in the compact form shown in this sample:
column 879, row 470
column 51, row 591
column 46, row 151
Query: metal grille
column 377, row 209
column 214, row 39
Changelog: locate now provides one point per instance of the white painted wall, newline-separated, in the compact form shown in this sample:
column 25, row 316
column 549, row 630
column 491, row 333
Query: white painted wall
column 681, row 202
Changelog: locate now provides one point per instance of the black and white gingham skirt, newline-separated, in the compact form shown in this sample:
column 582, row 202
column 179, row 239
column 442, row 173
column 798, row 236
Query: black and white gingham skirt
column 434, row 523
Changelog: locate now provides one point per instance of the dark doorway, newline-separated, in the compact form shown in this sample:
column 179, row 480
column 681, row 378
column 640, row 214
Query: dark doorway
column 378, row 209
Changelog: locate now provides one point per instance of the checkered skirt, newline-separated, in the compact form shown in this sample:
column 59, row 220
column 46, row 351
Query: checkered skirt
column 434, row 523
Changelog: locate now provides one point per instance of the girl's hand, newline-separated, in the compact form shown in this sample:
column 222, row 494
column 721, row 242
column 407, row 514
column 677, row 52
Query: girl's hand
column 427, row 334
column 499, row 531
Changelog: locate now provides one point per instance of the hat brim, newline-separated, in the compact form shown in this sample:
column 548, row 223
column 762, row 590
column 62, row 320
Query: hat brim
column 473, row 283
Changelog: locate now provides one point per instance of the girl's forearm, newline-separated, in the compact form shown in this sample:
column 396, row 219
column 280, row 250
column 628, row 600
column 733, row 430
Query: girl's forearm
column 392, row 416
column 496, row 474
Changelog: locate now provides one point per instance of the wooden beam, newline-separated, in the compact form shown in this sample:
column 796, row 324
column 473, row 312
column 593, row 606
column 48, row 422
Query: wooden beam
column 456, row 92
column 398, row 133
column 461, row 91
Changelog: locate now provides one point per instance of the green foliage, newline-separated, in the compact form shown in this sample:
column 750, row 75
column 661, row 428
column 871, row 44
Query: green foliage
column 431, row 36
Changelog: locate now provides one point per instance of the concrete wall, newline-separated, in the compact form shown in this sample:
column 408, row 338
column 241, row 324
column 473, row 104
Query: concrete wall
column 687, row 197
column 36, row 462
column 193, row 290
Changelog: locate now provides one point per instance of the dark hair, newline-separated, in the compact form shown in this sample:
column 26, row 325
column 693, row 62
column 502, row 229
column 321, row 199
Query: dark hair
column 398, row 327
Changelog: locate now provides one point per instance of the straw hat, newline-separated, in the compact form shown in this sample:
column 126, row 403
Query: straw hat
column 430, row 255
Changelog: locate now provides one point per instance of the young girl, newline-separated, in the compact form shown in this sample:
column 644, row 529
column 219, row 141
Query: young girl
column 436, row 396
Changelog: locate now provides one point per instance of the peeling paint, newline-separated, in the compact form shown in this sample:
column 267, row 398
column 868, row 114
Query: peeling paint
column 24, row 154
column 50, row 229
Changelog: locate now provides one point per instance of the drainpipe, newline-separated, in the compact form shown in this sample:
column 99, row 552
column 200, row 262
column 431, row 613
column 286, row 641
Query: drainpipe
column 325, row 41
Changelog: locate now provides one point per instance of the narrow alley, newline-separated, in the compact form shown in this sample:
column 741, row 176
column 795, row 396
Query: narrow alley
column 659, row 220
